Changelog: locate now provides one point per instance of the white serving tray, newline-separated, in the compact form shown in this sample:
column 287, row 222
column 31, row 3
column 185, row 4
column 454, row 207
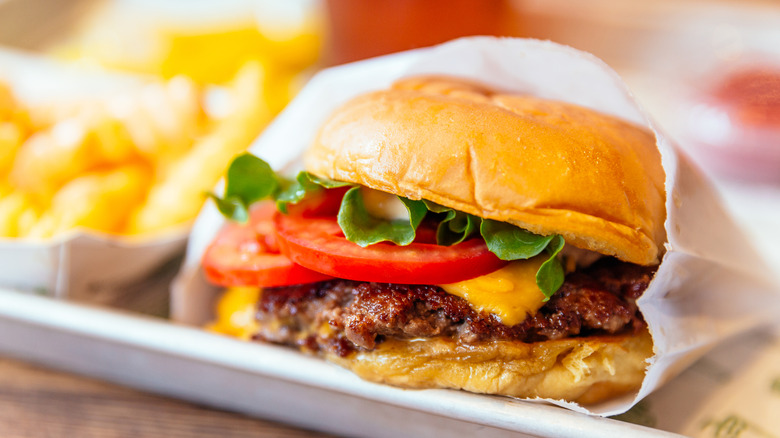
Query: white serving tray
column 266, row 381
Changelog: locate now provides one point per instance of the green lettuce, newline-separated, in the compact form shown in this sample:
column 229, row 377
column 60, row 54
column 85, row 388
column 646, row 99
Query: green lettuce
column 363, row 229
column 305, row 183
column 248, row 180
column 550, row 275
column 454, row 226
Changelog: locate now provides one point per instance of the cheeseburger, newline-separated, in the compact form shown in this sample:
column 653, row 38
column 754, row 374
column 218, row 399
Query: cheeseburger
column 447, row 235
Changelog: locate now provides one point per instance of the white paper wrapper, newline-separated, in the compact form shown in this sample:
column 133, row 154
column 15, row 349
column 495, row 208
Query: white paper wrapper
column 80, row 264
column 711, row 283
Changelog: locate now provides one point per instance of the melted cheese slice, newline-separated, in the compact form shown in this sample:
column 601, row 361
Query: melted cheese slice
column 236, row 310
column 510, row 293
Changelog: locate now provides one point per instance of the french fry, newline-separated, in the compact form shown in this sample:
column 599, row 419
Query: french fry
column 59, row 165
column 161, row 120
column 11, row 138
column 18, row 213
column 49, row 158
column 100, row 201
column 43, row 116
column 112, row 142
column 131, row 163
column 178, row 197
column 7, row 102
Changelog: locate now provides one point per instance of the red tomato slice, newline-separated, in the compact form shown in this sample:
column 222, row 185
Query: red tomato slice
column 248, row 255
column 318, row 243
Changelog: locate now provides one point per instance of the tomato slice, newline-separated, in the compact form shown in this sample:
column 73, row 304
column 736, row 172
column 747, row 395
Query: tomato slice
column 318, row 243
column 248, row 255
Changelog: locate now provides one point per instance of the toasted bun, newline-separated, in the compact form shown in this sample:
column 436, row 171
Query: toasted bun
column 585, row 370
column 549, row 167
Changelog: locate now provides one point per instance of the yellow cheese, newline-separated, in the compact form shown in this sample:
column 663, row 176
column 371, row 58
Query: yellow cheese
column 236, row 310
column 510, row 293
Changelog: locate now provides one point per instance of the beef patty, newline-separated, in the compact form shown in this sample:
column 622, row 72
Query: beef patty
column 342, row 316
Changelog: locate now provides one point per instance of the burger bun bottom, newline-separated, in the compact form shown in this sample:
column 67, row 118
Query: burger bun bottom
column 585, row 370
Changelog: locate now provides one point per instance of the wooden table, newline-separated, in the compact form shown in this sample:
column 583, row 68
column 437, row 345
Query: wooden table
column 37, row 402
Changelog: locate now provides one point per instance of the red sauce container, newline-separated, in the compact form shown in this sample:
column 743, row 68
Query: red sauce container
column 734, row 124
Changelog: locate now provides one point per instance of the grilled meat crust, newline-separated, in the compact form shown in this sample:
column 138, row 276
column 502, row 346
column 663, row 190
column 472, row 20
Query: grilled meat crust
column 342, row 316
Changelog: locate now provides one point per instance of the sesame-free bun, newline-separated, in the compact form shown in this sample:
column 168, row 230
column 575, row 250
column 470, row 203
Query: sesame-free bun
column 549, row 167
column 584, row 370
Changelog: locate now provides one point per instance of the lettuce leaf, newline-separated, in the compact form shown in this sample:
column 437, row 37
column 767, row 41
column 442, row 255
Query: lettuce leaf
column 455, row 226
column 304, row 184
column 363, row 229
column 509, row 242
column 550, row 275
column 249, row 179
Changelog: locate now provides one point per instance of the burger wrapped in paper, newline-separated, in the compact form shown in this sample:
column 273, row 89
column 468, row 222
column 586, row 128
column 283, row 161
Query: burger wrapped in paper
column 467, row 220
